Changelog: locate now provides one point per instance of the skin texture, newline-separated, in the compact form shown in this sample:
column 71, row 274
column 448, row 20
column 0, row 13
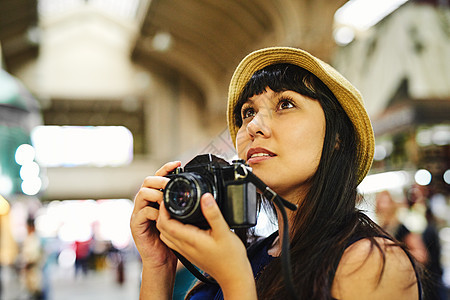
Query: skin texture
column 292, row 127
column 285, row 133
column 216, row 251
column 159, row 263
column 359, row 271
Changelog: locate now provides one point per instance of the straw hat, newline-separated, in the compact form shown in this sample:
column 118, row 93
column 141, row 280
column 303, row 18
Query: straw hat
column 347, row 95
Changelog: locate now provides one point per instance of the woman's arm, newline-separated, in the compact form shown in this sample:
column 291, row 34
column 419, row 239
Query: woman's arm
column 157, row 283
column 217, row 251
column 360, row 274
column 159, row 263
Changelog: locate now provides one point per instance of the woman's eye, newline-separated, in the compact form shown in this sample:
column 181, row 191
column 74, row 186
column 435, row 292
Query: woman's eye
column 248, row 112
column 285, row 104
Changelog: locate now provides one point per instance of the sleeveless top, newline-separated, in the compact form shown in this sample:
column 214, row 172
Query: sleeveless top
column 259, row 258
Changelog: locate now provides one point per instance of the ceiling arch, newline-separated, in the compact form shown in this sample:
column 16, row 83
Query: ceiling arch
column 209, row 38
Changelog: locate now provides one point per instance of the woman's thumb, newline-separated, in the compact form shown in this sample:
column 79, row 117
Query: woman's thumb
column 212, row 213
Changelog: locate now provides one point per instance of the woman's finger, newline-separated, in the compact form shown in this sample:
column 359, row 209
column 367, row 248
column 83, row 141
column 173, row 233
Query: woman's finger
column 150, row 213
column 167, row 168
column 145, row 196
column 140, row 219
column 168, row 242
column 176, row 231
column 155, row 182
column 151, row 189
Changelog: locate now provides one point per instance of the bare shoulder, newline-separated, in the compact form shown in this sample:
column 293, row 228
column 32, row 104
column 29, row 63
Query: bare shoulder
column 361, row 275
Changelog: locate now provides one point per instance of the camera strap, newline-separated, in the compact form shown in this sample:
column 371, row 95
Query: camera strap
column 194, row 271
column 243, row 172
column 246, row 174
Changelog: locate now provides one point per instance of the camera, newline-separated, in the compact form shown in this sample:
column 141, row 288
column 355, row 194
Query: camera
column 207, row 173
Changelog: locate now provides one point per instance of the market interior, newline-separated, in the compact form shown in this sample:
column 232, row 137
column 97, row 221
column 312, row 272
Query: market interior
column 95, row 95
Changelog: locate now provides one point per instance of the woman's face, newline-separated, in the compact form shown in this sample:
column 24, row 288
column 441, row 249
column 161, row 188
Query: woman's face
column 281, row 138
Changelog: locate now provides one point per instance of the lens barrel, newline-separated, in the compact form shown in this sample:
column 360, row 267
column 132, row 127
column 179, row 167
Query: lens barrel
column 182, row 196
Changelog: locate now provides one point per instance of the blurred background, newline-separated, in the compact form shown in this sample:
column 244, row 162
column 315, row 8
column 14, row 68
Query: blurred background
column 97, row 94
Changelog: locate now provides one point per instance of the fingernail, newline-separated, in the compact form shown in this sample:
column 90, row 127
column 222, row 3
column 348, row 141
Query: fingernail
column 209, row 200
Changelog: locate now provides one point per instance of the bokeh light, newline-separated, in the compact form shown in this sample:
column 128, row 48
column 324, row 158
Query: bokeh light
column 423, row 177
column 24, row 154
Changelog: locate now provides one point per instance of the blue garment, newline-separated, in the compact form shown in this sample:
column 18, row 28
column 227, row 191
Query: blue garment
column 259, row 258
column 184, row 281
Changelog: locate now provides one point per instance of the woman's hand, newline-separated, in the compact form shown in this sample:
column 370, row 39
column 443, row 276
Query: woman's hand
column 159, row 263
column 217, row 251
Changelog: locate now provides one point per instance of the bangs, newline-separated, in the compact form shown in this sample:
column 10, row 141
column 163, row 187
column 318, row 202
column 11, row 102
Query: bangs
column 279, row 78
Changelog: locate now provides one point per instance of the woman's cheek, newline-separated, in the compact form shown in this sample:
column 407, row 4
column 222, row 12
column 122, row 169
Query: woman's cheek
column 242, row 143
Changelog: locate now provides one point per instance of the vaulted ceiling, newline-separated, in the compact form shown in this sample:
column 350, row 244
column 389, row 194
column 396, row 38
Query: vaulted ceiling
column 207, row 38
column 18, row 21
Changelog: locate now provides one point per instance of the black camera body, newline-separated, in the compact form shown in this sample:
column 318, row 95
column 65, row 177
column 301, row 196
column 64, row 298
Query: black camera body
column 207, row 173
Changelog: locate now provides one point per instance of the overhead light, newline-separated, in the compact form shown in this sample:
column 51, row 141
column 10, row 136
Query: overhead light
column 31, row 186
column 24, row 154
column 162, row 41
column 359, row 15
column 362, row 14
column 344, row 35
column 423, row 177
column 447, row 176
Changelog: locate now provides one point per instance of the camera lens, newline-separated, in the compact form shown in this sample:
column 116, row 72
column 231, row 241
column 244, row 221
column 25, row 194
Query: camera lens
column 182, row 196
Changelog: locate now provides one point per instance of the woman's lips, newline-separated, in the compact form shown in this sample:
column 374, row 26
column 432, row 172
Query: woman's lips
column 255, row 155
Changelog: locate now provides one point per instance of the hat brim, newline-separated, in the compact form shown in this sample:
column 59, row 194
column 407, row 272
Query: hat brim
column 347, row 95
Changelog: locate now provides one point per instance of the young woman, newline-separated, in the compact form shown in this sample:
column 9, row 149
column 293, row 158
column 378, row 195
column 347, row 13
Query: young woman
column 303, row 130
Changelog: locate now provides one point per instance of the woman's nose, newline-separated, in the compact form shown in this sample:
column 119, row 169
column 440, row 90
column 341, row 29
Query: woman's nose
column 260, row 125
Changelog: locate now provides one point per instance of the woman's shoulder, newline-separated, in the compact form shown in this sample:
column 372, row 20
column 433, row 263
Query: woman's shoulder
column 368, row 271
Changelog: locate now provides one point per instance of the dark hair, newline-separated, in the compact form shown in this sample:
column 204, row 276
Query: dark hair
column 327, row 218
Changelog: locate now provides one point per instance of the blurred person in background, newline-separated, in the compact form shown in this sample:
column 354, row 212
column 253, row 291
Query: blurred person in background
column 82, row 254
column 433, row 265
column 418, row 199
column 117, row 259
column 32, row 261
column 404, row 222
column 388, row 218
